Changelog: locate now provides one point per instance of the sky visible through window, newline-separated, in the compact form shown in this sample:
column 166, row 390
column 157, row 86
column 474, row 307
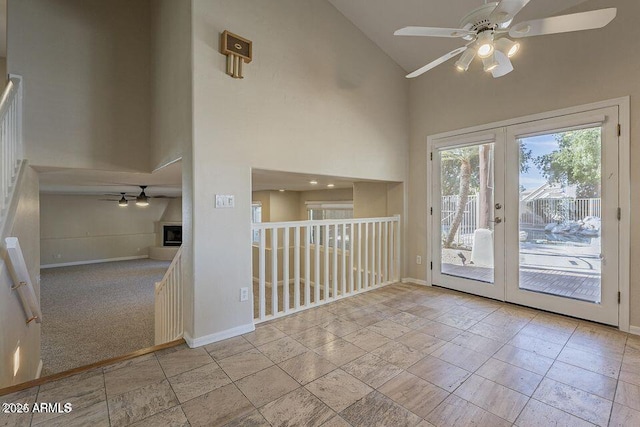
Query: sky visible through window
column 539, row 145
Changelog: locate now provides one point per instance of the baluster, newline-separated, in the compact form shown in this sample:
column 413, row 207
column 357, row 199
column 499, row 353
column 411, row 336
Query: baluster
column 274, row 271
column 262, row 273
column 351, row 252
column 379, row 263
column 285, row 270
column 316, row 285
column 296, row 268
column 307, row 266
column 327, row 254
column 344, row 260
column 359, row 257
column 335, row 261
column 366, row 256
column 385, row 278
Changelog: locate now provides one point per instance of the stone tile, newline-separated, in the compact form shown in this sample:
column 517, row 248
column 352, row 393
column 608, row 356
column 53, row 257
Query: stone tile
column 478, row 343
column 455, row 320
column 623, row 416
column 223, row 349
column 138, row 404
column 372, row 370
column 492, row 397
column 252, row 419
column 420, row 341
column 199, row 381
column 173, row 417
column 9, row 419
column 574, row 401
column 366, row 339
column 556, row 322
column 375, row 409
column 264, row 334
column 440, row 373
column 314, row 337
column 628, row 395
column 399, row 354
column 497, row 333
column 583, row 379
column 133, row 376
column 389, row 329
column 510, row 376
column 405, row 318
column 266, row 385
column 184, row 360
column 243, row 364
column 524, row 359
column 282, row 349
column 629, row 374
column 129, row 362
column 298, row 407
column 536, row 345
column 336, row 421
column 218, row 407
column 293, row 324
column 462, row 357
column 548, row 334
column 94, row 415
column 538, row 414
column 414, row 393
column 439, row 330
column 307, row 367
column 341, row 327
column 338, row 389
column 339, row 352
column 591, row 362
column 455, row 411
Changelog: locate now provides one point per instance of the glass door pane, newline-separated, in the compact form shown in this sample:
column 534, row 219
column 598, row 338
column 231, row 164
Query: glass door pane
column 466, row 205
column 560, row 214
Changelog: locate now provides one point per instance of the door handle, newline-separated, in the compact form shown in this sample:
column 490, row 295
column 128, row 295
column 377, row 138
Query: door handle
column 498, row 206
column 497, row 220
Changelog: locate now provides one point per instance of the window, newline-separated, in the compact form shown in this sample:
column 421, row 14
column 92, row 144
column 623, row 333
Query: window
column 256, row 216
column 318, row 211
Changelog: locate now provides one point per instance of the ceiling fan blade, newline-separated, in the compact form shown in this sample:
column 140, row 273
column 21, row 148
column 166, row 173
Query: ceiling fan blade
column 506, row 10
column 437, row 62
column 433, row 32
column 504, row 67
column 564, row 23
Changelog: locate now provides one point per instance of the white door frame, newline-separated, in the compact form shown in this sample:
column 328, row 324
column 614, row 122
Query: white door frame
column 624, row 187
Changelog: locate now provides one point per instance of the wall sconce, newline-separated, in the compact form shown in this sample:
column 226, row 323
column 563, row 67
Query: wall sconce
column 238, row 51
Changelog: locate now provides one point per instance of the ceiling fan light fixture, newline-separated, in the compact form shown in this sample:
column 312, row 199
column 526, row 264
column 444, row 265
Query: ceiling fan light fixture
column 123, row 201
column 508, row 47
column 463, row 63
column 142, row 199
column 485, row 44
column 490, row 63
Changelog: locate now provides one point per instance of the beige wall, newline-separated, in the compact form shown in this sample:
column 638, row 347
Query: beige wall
column 550, row 73
column 170, row 79
column 264, row 198
column 83, row 228
column 173, row 211
column 301, row 102
column 3, row 70
column 86, row 67
column 338, row 194
column 15, row 333
column 369, row 199
column 283, row 206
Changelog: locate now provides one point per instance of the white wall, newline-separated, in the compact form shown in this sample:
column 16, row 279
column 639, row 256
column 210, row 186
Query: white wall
column 551, row 72
column 171, row 80
column 15, row 332
column 86, row 68
column 83, row 228
column 303, row 106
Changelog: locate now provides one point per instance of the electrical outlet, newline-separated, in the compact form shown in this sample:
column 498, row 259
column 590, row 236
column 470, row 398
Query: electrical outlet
column 418, row 259
column 244, row 294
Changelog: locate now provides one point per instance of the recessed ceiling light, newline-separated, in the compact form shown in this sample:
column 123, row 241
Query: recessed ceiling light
column 281, row 190
column 330, row 185
column 314, row 182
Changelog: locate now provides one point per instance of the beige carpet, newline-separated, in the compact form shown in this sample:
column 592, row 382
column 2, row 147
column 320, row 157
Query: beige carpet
column 97, row 311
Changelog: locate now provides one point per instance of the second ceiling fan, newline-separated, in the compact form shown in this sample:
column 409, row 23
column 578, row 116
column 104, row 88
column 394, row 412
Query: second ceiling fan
column 486, row 29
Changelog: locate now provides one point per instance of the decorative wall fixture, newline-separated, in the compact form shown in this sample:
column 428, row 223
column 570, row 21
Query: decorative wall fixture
column 238, row 50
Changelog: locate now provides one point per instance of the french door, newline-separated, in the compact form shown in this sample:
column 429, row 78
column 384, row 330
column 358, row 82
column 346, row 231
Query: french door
column 528, row 213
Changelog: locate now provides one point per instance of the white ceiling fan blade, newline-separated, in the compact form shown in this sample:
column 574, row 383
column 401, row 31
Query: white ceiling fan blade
column 506, row 10
column 504, row 67
column 437, row 62
column 432, row 32
column 564, row 23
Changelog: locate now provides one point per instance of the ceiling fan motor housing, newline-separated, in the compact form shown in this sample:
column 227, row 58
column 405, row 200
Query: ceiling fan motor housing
column 478, row 20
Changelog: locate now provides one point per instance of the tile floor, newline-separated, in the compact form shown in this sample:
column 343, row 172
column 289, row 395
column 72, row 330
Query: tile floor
column 402, row 355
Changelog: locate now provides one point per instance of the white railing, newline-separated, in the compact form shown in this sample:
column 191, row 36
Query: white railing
column 11, row 151
column 302, row 264
column 22, row 281
column 169, row 324
column 470, row 218
column 540, row 212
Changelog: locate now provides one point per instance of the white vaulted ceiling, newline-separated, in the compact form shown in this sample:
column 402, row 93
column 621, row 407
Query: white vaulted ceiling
column 378, row 19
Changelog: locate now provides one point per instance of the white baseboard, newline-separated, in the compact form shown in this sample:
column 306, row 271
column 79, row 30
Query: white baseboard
column 93, row 261
column 39, row 371
column 219, row 336
column 416, row 281
column 635, row 330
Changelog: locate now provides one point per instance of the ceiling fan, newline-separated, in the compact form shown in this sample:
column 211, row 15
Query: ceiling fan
column 141, row 199
column 486, row 29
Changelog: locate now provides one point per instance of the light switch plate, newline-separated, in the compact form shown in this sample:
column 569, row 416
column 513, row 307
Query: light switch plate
column 225, row 201
column 244, row 294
